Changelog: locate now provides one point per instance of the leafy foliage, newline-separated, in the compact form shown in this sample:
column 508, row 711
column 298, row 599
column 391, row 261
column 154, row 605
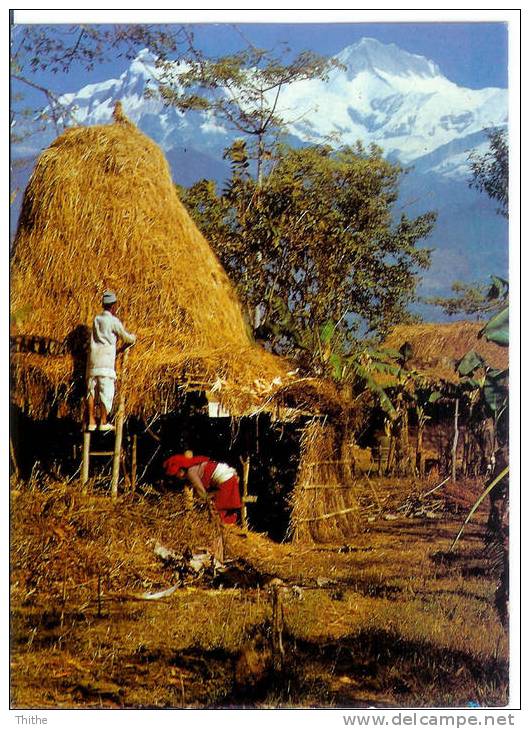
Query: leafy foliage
column 486, row 387
column 490, row 171
column 313, row 248
column 475, row 298
column 498, row 328
column 61, row 48
column 242, row 89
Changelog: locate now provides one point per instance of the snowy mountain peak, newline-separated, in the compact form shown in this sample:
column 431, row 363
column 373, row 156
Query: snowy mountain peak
column 396, row 99
column 371, row 55
column 143, row 65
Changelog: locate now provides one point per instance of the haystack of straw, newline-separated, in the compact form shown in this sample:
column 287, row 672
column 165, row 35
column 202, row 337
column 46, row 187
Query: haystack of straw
column 438, row 348
column 101, row 211
column 325, row 504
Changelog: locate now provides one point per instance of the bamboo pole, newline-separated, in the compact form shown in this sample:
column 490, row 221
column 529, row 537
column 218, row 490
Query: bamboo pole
column 328, row 516
column 326, row 487
column 348, row 462
column 120, row 418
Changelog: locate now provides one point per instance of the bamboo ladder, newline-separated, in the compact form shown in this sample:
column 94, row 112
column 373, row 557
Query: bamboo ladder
column 116, row 452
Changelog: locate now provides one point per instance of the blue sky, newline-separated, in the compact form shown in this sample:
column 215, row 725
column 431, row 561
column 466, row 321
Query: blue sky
column 470, row 54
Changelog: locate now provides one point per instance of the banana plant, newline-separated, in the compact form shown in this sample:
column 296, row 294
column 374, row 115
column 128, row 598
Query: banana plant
column 493, row 385
column 360, row 365
column 488, row 384
column 498, row 328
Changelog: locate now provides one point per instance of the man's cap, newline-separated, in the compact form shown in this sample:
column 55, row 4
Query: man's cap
column 109, row 297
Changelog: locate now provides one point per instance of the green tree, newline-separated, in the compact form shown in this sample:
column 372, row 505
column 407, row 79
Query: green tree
column 314, row 248
column 474, row 299
column 490, row 171
column 242, row 90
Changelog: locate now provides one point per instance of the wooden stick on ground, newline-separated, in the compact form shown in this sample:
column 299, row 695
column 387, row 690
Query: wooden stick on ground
column 372, row 487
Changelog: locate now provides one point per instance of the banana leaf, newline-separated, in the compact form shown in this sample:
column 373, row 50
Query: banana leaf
column 469, row 363
column 497, row 329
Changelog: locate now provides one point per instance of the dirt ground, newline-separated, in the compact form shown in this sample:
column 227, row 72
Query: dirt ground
column 391, row 618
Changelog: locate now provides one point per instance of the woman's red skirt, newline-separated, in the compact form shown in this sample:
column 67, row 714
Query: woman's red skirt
column 227, row 500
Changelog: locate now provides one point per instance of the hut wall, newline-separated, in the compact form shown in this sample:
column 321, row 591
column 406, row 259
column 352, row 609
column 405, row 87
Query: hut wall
column 325, row 506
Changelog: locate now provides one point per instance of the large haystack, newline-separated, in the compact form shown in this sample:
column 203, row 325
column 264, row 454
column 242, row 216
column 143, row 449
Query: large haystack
column 100, row 211
column 438, row 348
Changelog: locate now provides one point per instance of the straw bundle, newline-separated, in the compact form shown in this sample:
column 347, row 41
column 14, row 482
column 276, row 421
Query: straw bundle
column 437, row 348
column 100, row 211
column 325, row 507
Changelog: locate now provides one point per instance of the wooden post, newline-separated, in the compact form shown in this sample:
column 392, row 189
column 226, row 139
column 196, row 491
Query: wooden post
column 13, row 458
column 134, row 465
column 245, row 462
column 278, row 651
column 455, row 443
column 120, row 417
column 420, row 455
column 86, row 458
column 404, row 442
column 188, row 497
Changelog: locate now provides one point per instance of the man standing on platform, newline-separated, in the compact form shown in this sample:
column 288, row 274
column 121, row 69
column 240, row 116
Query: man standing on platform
column 101, row 366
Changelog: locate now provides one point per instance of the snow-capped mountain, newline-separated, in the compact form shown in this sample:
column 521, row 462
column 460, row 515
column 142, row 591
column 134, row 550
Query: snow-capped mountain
column 396, row 99
column 379, row 94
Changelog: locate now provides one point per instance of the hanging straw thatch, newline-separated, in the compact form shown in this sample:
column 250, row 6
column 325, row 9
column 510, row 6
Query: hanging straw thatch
column 325, row 506
column 438, row 348
column 100, row 211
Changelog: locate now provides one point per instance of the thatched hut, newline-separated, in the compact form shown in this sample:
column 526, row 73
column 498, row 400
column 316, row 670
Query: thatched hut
column 456, row 431
column 436, row 349
column 100, row 211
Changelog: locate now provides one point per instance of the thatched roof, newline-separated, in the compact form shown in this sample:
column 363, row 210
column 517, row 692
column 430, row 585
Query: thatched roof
column 437, row 348
column 101, row 211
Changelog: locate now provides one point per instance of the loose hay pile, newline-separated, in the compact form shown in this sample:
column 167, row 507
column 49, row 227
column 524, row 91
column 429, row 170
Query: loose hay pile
column 67, row 547
column 100, row 211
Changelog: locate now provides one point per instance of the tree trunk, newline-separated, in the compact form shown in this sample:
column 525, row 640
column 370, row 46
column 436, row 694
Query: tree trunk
column 455, row 442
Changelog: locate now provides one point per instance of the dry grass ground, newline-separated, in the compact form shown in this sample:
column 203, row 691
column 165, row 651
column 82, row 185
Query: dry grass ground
column 392, row 619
